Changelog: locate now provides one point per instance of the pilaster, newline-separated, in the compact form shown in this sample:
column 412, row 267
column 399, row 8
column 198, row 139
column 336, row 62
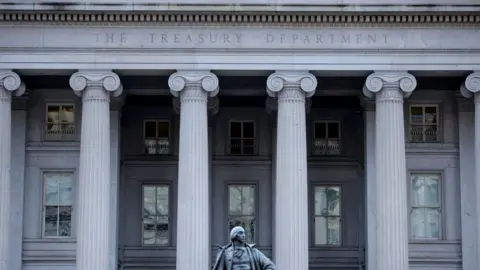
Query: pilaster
column 291, row 89
column 193, row 88
column 471, row 89
column 389, row 90
column 94, row 189
column 10, row 84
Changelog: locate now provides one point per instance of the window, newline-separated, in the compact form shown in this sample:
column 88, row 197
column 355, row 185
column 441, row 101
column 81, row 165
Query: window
column 57, row 204
column 327, row 219
column 241, row 137
column 157, row 137
column 326, row 138
column 60, row 122
column 425, row 213
column 156, row 204
column 241, row 209
column 424, row 123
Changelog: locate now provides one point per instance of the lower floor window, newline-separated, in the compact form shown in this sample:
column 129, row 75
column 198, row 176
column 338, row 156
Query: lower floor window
column 241, row 209
column 327, row 217
column 57, row 204
column 156, row 202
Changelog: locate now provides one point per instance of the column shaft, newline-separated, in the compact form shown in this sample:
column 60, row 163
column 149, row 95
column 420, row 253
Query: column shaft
column 477, row 167
column 94, row 182
column 291, row 203
column 392, row 221
column 5, row 181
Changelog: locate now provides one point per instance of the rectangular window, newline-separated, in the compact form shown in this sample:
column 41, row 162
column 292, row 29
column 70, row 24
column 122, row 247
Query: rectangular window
column 156, row 137
column 60, row 122
column 426, row 210
column 424, row 123
column 57, row 204
column 156, row 209
column 327, row 218
column 242, row 138
column 326, row 138
column 241, row 209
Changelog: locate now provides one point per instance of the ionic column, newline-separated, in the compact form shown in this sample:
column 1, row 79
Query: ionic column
column 93, row 230
column 9, row 83
column 389, row 90
column 193, row 216
column 471, row 89
column 291, row 187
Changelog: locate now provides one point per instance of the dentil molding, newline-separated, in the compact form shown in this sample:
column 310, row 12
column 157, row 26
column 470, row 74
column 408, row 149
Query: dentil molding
column 304, row 80
column 205, row 80
column 10, row 81
column 376, row 81
column 108, row 80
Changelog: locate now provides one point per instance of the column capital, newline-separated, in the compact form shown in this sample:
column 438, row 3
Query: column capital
column 98, row 79
column 11, row 82
column 302, row 80
column 471, row 86
column 201, row 79
column 379, row 80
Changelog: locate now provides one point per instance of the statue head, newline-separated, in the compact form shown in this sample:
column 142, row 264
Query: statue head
column 237, row 234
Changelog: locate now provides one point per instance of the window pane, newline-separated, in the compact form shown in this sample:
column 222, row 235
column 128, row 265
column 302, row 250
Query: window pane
column 162, row 200
column 320, row 130
column 150, row 129
column 241, row 200
column 155, row 230
column 327, row 201
column 149, row 201
column 248, row 146
column 431, row 133
column 333, row 130
column 67, row 114
column 425, row 190
column 247, row 222
column 425, row 223
column 430, row 115
column 163, row 129
column 248, row 129
column 235, row 129
column 51, row 221
column 327, row 231
column 235, row 146
column 416, row 115
column 53, row 114
column 65, row 221
column 58, row 188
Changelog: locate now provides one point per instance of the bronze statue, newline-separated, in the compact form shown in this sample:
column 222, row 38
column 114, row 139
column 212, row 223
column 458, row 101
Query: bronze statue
column 239, row 255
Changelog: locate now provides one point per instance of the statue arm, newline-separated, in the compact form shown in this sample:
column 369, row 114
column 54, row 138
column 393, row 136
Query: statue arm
column 264, row 262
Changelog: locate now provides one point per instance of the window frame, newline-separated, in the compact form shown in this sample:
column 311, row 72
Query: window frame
column 170, row 209
column 75, row 120
column 314, row 138
column 441, row 204
column 256, row 205
column 438, row 124
column 157, row 120
column 43, row 203
column 313, row 215
column 255, row 138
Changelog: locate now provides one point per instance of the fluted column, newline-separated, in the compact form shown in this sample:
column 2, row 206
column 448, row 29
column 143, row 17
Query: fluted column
column 9, row 83
column 389, row 90
column 193, row 216
column 291, row 188
column 471, row 89
column 93, row 232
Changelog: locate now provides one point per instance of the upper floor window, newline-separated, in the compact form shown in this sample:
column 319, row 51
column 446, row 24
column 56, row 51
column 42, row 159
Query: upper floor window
column 60, row 122
column 424, row 123
column 241, row 138
column 426, row 206
column 327, row 216
column 241, row 209
column 156, row 213
column 326, row 138
column 156, row 137
column 57, row 204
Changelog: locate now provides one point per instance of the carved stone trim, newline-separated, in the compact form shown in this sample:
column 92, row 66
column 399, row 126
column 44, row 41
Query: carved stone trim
column 380, row 80
column 204, row 79
column 105, row 80
column 238, row 19
column 296, row 80
column 11, row 83
column 471, row 86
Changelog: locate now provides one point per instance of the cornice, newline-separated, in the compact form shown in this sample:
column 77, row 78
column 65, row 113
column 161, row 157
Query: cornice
column 248, row 18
